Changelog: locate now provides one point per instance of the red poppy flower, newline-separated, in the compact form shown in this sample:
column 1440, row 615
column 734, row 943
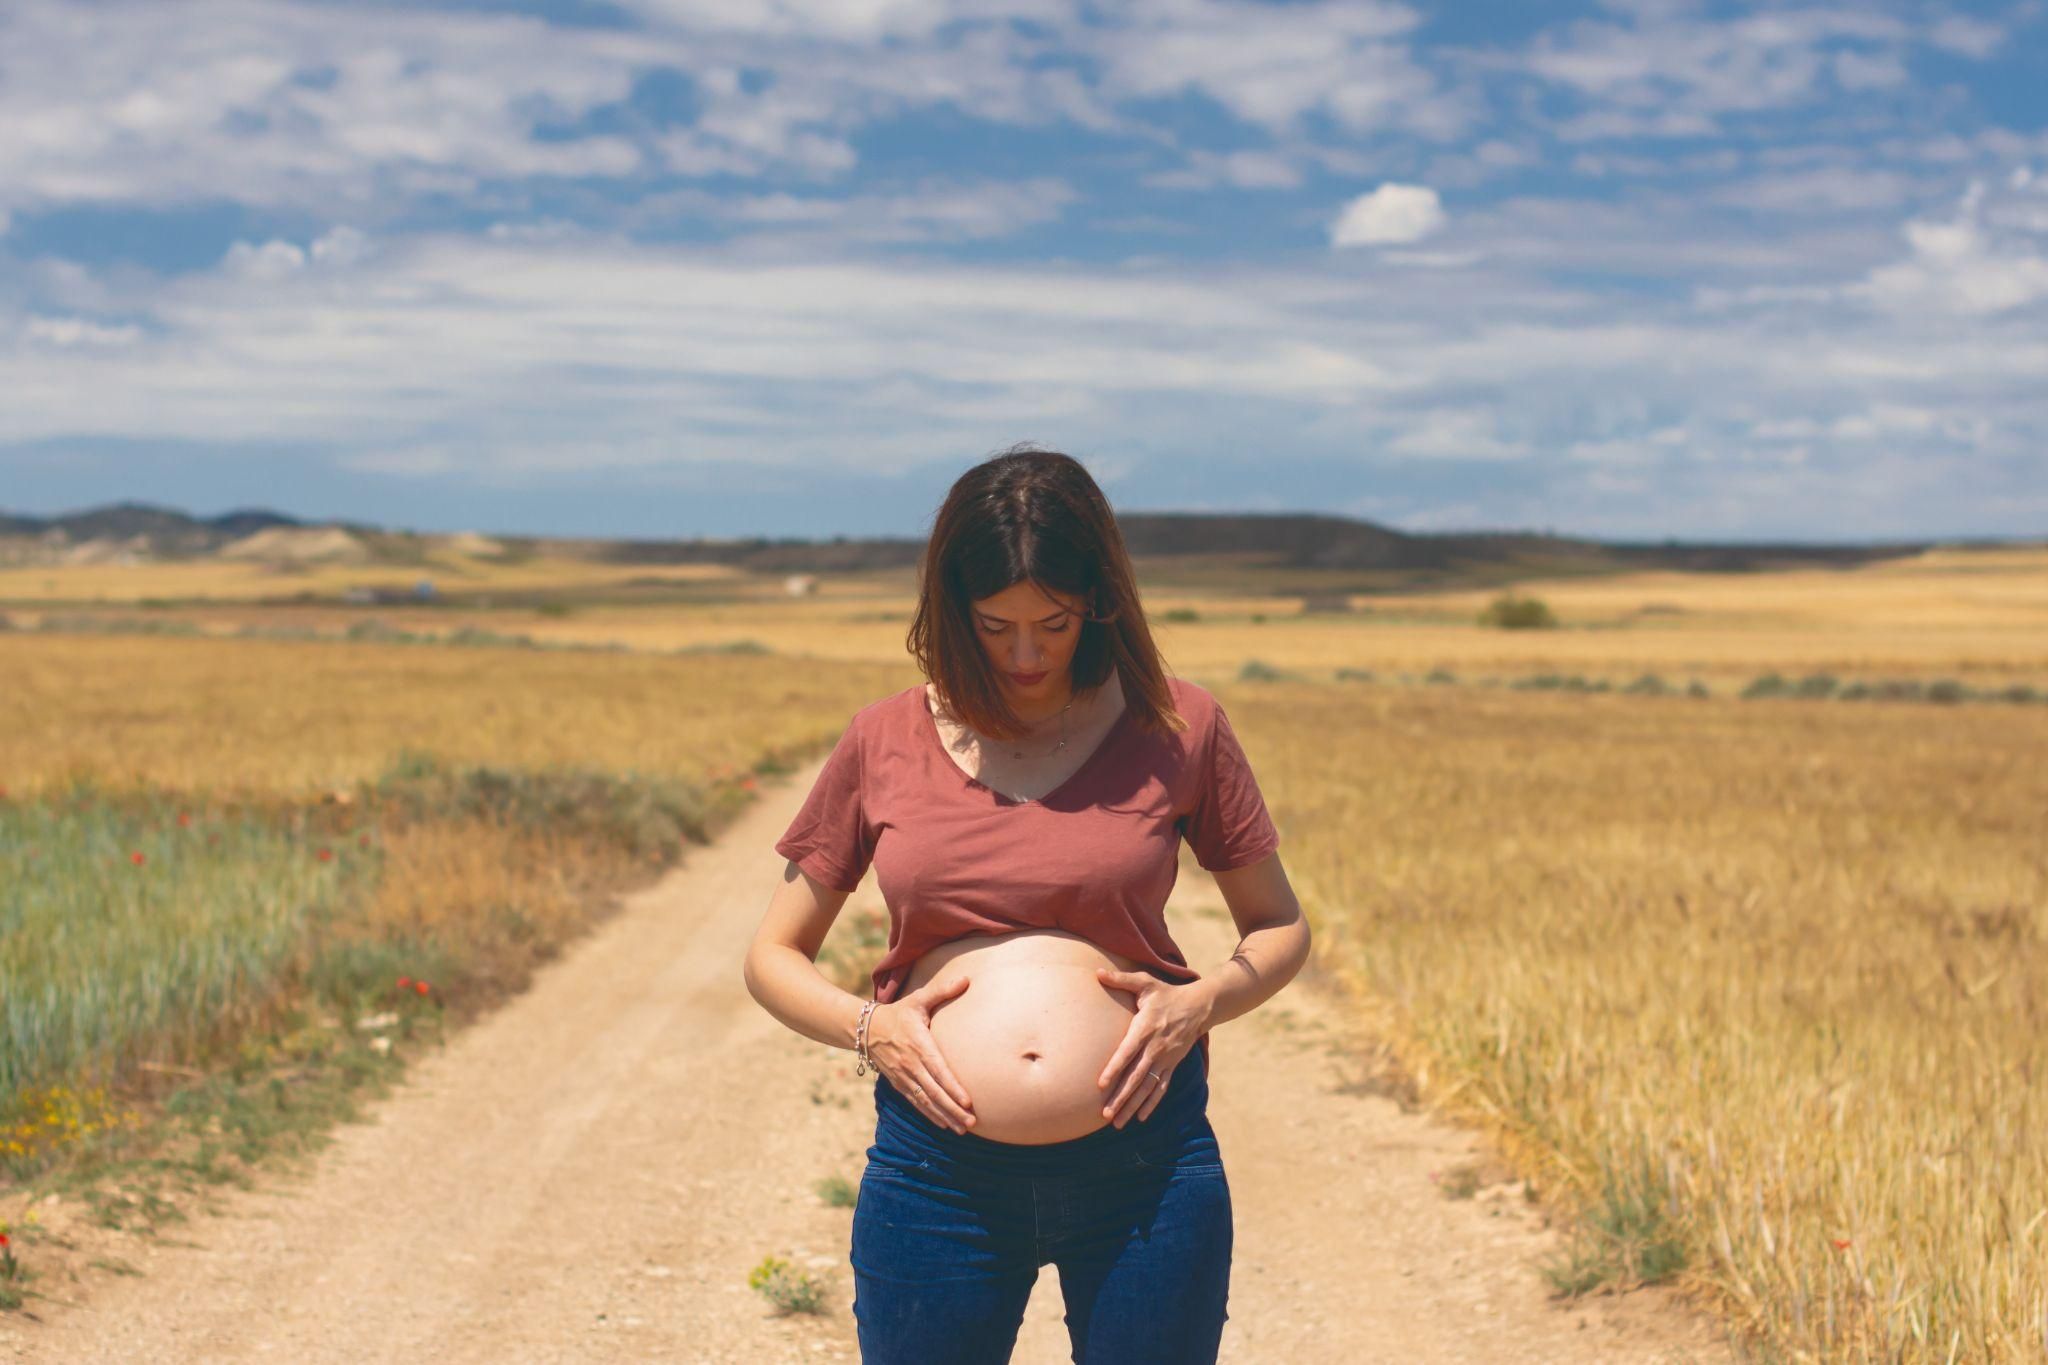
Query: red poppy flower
column 1841, row 1243
column 420, row 986
column 184, row 818
column 404, row 981
column 3, row 1239
column 326, row 855
column 136, row 857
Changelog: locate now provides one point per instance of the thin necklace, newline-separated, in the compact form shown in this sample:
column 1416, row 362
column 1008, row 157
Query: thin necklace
column 1019, row 753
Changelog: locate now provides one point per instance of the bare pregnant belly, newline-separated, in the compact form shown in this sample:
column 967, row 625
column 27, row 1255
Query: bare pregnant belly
column 1031, row 1032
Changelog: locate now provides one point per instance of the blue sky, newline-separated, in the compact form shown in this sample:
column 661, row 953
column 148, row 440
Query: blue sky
column 731, row 267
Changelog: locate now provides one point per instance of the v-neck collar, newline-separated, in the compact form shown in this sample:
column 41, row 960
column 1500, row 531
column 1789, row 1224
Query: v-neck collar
column 930, row 726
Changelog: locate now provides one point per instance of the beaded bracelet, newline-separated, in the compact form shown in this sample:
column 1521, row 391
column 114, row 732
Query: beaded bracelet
column 860, row 1039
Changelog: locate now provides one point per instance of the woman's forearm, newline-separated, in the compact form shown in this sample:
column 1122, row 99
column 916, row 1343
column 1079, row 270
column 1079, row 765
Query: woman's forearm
column 789, row 986
column 1266, row 959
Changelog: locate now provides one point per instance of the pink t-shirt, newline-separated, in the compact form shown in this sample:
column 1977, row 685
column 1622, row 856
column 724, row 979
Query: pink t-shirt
column 1096, row 856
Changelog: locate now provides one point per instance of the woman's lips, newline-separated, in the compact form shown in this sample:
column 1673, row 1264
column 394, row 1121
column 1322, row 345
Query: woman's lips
column 1026, row 678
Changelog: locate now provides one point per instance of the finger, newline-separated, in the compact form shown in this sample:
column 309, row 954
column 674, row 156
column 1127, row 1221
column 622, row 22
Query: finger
column 1137, row 1094
column 1118, row 1060
column 945, row 1083
column 920, row 1096
column 1118, row 1108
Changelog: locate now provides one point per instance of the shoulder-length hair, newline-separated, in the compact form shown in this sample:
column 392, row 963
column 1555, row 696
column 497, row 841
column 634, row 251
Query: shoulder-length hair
column 1037, row 515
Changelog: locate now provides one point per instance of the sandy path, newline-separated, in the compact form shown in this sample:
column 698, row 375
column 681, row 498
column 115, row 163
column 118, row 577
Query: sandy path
column 590, row 1172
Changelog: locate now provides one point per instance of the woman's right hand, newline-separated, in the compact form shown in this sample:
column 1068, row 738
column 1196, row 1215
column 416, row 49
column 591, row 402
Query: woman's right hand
column 901, row 1047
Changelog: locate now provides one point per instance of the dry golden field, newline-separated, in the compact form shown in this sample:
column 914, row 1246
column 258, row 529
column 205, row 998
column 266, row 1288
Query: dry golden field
column 1755, row 986
column 286, row 718
column 1980, row 617
column 1781, row 966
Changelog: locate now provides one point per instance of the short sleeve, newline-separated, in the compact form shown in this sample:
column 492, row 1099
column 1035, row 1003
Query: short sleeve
column 830, row 837
column 1229, row 825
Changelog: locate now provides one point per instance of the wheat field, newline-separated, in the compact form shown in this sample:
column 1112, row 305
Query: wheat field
column 1753, row 988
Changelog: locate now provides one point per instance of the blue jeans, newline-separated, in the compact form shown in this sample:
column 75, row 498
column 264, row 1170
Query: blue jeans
column 950, row 1230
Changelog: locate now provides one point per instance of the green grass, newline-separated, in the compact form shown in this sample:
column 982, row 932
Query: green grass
column 139, row 930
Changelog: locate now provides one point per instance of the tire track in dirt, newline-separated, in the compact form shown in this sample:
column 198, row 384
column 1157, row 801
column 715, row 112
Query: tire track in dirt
column 589, row 1173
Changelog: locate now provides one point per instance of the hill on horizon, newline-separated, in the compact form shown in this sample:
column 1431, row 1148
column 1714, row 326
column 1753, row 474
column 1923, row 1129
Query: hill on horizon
column 133, row 532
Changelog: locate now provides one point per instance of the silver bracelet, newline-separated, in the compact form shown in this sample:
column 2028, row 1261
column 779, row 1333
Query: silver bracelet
column 860, row 1039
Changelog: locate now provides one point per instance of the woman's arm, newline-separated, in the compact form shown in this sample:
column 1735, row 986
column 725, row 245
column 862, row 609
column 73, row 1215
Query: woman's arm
column 781, row 967
column 1273, row 946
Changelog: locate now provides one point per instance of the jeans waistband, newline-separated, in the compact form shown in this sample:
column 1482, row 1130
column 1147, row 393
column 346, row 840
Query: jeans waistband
column 1186, row 1098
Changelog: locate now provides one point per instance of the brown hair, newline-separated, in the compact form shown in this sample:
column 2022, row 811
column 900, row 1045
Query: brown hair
column 1038, row 515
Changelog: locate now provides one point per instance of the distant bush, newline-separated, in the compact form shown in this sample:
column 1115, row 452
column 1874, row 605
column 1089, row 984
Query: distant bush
column 1696, row 688
column 555, row 609
column 1648, row 685
column 1180, row 614
column 1509, row 612
column 1769, row 685
column 1254, row 671
column 1947, row 690
column 1354, row 675
column 1440, row 675
column 1814, row 685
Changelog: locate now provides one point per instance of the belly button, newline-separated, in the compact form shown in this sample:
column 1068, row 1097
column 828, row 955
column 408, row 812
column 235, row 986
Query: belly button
column 1031, row 1056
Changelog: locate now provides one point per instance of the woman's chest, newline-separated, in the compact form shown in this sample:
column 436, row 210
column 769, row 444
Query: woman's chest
column 967, row 852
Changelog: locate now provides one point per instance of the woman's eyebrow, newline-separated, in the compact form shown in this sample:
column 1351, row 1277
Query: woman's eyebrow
column 1041, row 620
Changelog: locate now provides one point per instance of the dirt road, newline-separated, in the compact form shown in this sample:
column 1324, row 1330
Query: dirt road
column 589, row 1174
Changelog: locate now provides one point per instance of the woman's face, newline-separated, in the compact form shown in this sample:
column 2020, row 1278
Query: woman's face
column 1032, row 633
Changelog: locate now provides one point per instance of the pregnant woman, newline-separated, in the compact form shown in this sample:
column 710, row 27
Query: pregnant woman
column 1041, row 1046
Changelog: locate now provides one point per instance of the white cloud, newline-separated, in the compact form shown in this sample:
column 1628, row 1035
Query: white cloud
column 1274, row 65
column 1955, row 268
column 1456, row 434
column 73, row 332
column 340, row 246
column 1239, row 170
column 1966, row 36
column 931, row 210
column 1390, row 214
column 273, row 260
column 1673, row 72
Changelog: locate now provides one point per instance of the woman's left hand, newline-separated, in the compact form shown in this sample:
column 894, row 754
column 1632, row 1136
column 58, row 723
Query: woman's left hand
column 1169, row 1021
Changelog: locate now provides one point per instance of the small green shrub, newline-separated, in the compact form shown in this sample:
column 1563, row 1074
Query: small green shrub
column 789, row 1289
column 1509, row 612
